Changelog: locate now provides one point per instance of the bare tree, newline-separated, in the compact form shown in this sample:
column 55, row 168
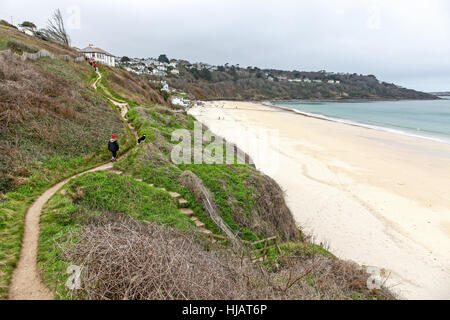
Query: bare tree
column 55, row 29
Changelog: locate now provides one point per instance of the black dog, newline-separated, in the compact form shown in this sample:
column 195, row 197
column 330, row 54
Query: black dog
column 141, row 139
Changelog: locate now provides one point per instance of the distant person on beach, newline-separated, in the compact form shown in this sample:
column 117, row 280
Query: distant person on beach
column 113, row 146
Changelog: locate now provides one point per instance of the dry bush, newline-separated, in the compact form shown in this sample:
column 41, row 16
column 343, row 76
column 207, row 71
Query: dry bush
column 47, row 110
column 19, row 46
column 126, row 260
column 270, row 210
column 133, row 87
column 123, row 259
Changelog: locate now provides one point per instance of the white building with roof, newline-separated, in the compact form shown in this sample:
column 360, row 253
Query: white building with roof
column 99, row 55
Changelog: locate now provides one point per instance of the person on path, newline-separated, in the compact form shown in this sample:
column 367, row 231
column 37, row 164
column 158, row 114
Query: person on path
column 113, row 146
column 95, row 66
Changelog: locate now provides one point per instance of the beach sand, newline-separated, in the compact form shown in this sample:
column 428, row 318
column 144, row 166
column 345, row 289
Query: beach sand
column 377, row 198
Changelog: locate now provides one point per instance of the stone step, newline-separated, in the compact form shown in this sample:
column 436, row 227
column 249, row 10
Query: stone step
column 116, row 171
column 260, row 259
column 205, row 231
column 174, row 195
column 187, row 212
column 138, row 179
column 199, row 224
column 183, row 202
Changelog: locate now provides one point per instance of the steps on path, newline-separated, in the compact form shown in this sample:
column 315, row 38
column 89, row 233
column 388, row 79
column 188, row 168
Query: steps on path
column 187, row 212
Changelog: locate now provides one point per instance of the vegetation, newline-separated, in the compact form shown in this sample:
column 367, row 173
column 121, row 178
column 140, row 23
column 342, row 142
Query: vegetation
column 56, row 30
column 129, row 237
column 28, row 24
column 7, row 24
column 52, row 126
column 234, row 83
column 163, row 58
column 93, row 196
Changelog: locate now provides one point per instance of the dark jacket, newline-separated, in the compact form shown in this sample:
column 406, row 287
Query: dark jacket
column 113, row 145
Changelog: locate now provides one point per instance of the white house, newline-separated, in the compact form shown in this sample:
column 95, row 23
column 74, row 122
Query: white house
column 179, row 102
column 99, row 55
column 165, row 86
column 159, row 73
column 175, row 71
column 28, row 30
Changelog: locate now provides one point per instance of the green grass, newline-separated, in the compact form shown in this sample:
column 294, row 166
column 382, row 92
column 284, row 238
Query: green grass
column 3, row 44
column 96, row 194
column 160, row 171
column 79, row 150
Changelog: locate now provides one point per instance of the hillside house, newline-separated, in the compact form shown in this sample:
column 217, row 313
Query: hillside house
column 28, row 30
column 99, row 55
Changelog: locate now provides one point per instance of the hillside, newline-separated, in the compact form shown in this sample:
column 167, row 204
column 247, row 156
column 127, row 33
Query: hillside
column 55, row 124
column 231, row 82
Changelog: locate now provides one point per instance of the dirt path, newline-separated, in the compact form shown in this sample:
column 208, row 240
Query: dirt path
column 26, row 282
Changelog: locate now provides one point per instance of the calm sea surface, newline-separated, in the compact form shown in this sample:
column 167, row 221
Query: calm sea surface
column 428, row 119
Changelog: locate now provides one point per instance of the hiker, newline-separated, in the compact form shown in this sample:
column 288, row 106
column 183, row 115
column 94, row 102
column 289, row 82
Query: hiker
column 95, row 66
column 113, row 146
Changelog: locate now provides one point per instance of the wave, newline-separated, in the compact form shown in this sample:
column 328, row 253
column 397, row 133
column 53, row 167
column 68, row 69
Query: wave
column 358, row 124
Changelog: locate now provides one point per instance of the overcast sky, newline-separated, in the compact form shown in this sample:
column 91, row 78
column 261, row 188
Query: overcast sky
column 402, row 41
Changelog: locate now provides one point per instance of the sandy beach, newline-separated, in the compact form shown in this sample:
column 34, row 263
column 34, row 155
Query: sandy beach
column 377, row 198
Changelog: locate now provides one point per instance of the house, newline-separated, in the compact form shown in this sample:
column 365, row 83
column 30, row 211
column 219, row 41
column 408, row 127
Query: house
column 179, row 102
column 165, row 86
column 157, row 72
column 99, row 55
column 175, row 71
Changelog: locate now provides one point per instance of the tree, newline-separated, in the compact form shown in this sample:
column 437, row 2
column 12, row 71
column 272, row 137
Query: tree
column 124, row 59
column 28, row 24
column 163, row 58
column 55, row 29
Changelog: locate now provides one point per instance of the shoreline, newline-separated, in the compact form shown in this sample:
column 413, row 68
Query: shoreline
column 356, row 124
column 377, row 198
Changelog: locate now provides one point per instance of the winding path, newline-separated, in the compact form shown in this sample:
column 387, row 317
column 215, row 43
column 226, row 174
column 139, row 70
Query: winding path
column 26, row 282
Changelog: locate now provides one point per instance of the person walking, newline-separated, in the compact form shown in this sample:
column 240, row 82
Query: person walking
column 113, row 146
column 95, row 66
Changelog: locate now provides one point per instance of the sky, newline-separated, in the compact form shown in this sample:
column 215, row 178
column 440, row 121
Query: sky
column 406, row 42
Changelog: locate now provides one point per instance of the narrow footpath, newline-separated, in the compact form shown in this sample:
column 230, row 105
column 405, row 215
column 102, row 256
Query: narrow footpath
column 26, row 282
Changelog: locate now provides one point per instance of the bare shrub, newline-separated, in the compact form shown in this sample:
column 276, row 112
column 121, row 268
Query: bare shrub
column 56, row 30
column 123, row 259
column 20, row 47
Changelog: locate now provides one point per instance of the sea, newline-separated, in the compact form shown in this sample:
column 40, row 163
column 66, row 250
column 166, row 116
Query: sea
column 427, row 119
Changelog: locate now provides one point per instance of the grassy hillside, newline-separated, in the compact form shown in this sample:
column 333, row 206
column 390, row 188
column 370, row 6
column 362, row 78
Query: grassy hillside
column 52, row 125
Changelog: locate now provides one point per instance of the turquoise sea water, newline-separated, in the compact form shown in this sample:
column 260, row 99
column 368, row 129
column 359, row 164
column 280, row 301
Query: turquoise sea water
column 429, row 119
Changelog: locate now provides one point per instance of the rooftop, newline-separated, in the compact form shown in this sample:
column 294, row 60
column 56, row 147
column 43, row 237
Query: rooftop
column 92, row 49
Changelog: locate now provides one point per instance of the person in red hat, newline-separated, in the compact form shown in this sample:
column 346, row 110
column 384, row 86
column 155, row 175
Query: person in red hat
column 113, row 146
